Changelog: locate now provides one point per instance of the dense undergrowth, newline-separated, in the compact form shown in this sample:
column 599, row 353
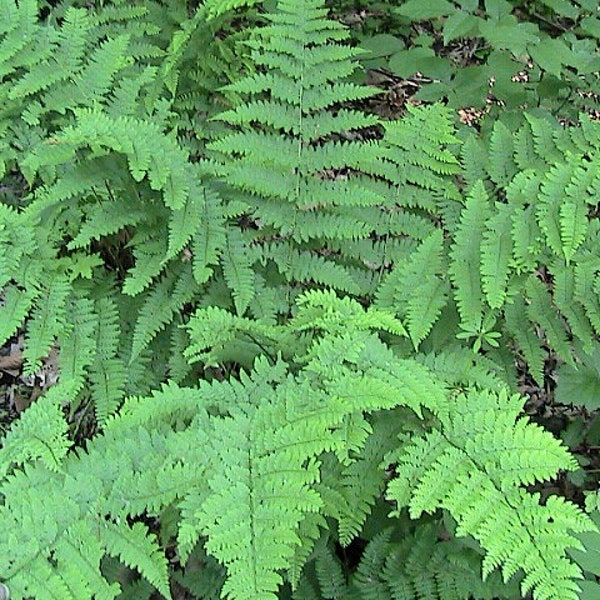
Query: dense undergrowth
column 300, row 300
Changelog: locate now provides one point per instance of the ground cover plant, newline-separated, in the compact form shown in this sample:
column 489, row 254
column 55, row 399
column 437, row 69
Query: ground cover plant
column 299, row 300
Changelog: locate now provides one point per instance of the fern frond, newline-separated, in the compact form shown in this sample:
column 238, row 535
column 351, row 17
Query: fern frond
column 362, row 481
column 106, row 218
column 138, row 139
column 135, row 547
column 81, row 563
column 184, row 222
column 149, row 255
column 41, row 433
column 529, row 343
column 527, row 239
column 168, row 295
column 496, row 254
column 477, row 476
column 216, row 8
column 65, row 54
column 415, row 290
column 237, row 270
column 559, row 224
column 107, row 372
column 543, row 131
column 501, row 167
column 77, row 348
column 17, row 304
column 540, row 311
column 563, row 297
column 47, row 320
column 465, row 252
column 423, row 566
column 330, row 575
column 286, row 178
column 474, row 160
column 252, row 498
column 585, row 277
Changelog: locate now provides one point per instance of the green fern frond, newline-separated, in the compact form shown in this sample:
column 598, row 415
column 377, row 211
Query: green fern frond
column 563, row 297
column 419, row 159
column 184, row 222
column 425, row 567
column 252, row 498
column 465, row 252
column 501, row 167
column 461, row 369
column 363, row 480
column 519, row 327
column 527, row 238
column 330, row 575
column 573, row 211
column 81, row 563
column 98, row 75
column 306, row 266
column 107, row 372
column 47, row 320
column 554, row 221
column 210, row 237
column 137, row 139
column 286, row 179
column 167, row 296
column 415, row 290
column 41, row 433
column 474, row 159
column 105, row 218
column 237, row 270
column 216, row 8
column 64, row 54
column 585, row 277
column 496, row 254
column 543, row 132
column 77, row 348
column 149, row 263
column 540, row 311
column 137, row 548
column 488, row 466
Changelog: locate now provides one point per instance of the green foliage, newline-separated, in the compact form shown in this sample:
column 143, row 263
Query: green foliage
column 249, row 462
column 528, row 54
column 286, row 328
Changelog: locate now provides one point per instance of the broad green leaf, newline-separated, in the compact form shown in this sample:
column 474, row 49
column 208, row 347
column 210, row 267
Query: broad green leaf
column 421, row 10
column 380, row 45
column 496, row 9
column 591, row 25
column 563, row 8
column 509, row 35
column 408, row 62
column 460, row 25
column 550, row 54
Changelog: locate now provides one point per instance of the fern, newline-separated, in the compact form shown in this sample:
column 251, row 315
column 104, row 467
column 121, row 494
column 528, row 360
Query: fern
column 394, row 569
column 303, row 83
column 258, row 296
column 487, row 474
column 465, row 252
column 282, row 424
column 416, row 288
column 496, row 254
